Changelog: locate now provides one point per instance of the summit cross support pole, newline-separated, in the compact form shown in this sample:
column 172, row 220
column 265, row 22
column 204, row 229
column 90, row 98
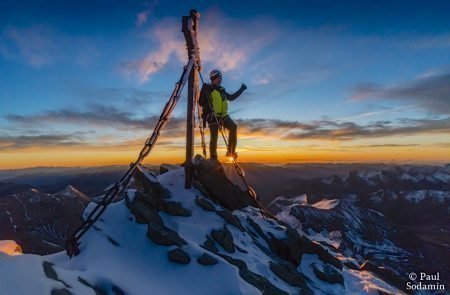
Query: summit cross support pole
column 190, row 27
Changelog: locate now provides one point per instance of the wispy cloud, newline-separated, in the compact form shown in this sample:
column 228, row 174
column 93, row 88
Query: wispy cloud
column 331, row 130
column 42, row 45
column 432, row 92
column 118, row 124
column 328, row 130
column 128, row 97
column 33, row 44
column 95, row 115
column 12, row 143
column 225, row 43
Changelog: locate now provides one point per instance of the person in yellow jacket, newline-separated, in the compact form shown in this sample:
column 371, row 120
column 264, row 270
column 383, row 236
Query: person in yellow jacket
column 214, row 101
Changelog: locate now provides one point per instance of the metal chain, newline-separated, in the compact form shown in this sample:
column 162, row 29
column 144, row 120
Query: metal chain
column 250, row 191
column 117, row 189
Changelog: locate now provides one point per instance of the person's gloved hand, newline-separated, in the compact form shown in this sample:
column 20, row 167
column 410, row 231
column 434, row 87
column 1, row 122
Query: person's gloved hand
column 243, row 86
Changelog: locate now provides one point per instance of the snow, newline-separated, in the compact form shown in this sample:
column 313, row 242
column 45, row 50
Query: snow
column 117, row 253
column 306, row 267
column 355, row 282
column 364, row 282
column 406, row 176
column 25, row 268
column 325, row 204
column 333, row 238
column 444, row 177
column 434, row 195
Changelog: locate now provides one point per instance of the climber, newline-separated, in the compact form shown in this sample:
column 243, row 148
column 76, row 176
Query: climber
column 213, row 99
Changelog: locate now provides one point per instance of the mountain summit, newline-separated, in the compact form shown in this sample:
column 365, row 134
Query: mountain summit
column 211, row 239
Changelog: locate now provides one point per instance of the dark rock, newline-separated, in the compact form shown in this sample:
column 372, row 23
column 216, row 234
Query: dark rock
column 179, row 256
column 210, row 245
column 290, row 248
column 236, row 262
column 328, row 274
column 294, row 246
column 152, row 201
column 175, row 209
column 258, row 229
column 143, row 212
column 112, row 241
column 287, row 272
column 351, row 265
column 207, row 259
column 162, row 235
column 213, row 179
column 324, row 255
column 198, row 185
column 204, row 204
column 231, row 219
column 117, row 291
column 61, row 292
column 162, row 170
column 224, row 238
column 240, row 249
column 260, row 282
column 97, row 290
column 167, row 167
column 51, row 273
column 146, row 182
column 386, row 274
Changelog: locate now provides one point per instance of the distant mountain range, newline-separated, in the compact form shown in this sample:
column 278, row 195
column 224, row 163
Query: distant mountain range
column 397, row 217
column 39, row 221
column 210, row 239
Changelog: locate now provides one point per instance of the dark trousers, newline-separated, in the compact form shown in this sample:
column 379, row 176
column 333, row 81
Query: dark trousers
column 229, row 124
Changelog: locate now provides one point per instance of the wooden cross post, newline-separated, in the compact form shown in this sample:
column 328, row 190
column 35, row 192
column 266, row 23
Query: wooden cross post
column 190, row 28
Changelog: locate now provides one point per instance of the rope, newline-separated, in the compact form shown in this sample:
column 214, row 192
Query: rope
column 250, row 191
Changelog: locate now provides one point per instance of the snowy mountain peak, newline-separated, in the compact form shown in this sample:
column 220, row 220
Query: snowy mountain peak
column 71, row 192
column 170, row 240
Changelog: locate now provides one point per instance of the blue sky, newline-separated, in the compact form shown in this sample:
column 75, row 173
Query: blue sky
column 81, row 74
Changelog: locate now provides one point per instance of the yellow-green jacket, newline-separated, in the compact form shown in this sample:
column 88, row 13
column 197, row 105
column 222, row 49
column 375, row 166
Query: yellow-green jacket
column 215, row 98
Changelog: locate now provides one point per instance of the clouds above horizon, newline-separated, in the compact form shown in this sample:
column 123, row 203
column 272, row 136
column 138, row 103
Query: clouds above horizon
column 108, row 121
column 432, row 92
column 79, row 76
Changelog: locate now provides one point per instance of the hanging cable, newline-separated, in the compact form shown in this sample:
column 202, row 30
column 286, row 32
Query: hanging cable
column 250, row 191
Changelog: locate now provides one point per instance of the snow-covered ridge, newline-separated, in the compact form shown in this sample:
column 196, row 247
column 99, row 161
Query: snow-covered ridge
column 186, row 243
column 71, row 192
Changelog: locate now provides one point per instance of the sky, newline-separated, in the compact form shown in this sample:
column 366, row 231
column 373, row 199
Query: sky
column 82, row 83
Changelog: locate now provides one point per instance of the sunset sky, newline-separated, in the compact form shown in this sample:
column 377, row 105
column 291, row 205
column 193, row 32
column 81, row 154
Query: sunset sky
column 82, row 83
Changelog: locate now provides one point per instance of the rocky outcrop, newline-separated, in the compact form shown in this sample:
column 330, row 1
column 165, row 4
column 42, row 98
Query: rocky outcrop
column 179, row 256
column 328, row 274
column 207, row 259
column 162, row 235
column 224, row 238
column 211, row 179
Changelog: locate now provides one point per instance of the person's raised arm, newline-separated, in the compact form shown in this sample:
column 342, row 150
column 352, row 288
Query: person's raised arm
column 235, row 95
